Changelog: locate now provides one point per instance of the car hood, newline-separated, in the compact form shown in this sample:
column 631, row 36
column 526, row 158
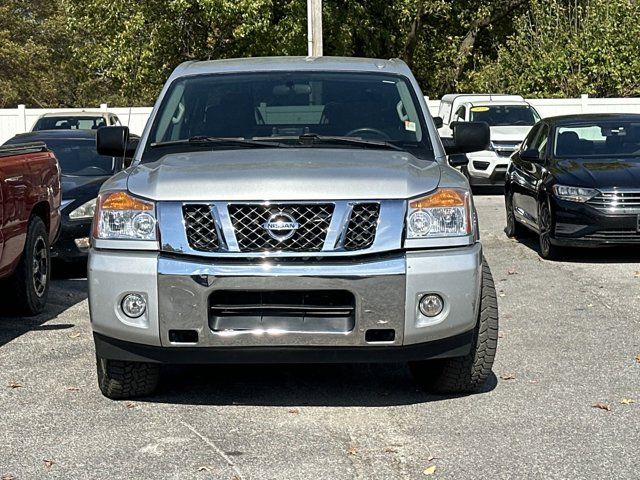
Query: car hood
column 509, row 133
column 74, row 185
column 284, row 174
column 598, row 173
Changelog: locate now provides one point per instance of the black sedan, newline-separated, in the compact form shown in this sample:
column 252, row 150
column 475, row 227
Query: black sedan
column 575, row 181
column 83, row 173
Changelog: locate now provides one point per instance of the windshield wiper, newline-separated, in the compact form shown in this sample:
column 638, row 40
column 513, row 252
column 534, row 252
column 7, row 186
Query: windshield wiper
column 203, row 140
column 315, row 139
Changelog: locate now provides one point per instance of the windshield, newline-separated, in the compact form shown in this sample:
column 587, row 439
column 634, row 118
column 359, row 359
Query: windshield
column 279, row 105
column 608, row 138
column 69, row 123
column 79, row 157
column 505, row 115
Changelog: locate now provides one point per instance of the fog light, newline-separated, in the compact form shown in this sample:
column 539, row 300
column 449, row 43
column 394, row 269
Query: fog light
column 431, row 305
column 133, row 305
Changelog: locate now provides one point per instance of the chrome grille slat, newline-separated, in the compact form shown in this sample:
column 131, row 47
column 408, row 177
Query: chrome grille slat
column 200, row 226
column 313, row 219
column 623, row 201
column 362, row 226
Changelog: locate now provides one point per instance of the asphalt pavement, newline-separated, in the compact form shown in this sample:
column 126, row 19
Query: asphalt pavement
column 564, row 402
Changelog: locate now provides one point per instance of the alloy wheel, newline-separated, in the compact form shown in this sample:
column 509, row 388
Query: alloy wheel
column 545, row 230
column 40, row 271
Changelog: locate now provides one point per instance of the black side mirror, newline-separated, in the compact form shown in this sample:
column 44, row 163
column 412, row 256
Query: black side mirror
column 458, row 160
column 467, row 137
column 112, row 141
column 438, row 121
column 530, row 155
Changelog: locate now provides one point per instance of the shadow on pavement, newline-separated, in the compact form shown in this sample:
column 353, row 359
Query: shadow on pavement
column 372, row 385
column 604, row 254
column 68, row 287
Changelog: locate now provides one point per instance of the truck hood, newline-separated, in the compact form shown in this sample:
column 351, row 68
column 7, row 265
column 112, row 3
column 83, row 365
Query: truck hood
column 284, row 174
column 509, row 133
column 598, row 173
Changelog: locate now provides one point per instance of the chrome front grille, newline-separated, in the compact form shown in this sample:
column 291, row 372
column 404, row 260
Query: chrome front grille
column 249, row 224
column 362, row 227
column 281, row 229
column 200, row 226
column 617, row 201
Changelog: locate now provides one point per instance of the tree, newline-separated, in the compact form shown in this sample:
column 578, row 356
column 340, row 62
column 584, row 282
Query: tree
column 562, row 48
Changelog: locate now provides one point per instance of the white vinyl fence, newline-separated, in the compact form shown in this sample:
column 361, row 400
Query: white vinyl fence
column 19, row 120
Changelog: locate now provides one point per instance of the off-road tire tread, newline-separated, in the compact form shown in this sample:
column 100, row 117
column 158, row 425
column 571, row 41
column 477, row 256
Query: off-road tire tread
column 26, row 301
column 467, row 374
column 122, row 380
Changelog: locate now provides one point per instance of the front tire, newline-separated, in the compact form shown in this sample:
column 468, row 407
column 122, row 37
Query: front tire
column 513, row 229
column 466, row 374
column 120, row 380
column 548, row 251
column 30, row 281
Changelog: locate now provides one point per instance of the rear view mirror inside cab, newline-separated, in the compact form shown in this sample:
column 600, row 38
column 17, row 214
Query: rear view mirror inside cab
column 292, row 89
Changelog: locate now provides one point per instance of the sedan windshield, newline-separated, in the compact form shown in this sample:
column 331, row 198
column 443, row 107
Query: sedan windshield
column 601, row 139
column 291, row 107
column 505, row 115
column 79, row 157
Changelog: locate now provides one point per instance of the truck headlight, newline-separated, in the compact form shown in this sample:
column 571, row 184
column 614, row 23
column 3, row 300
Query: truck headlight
column 574, row 194
column 122, row 216
column 444, row 213
column 84, row 211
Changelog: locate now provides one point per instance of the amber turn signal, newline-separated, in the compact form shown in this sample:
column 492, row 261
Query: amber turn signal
column 122, row 201
column 444, row 197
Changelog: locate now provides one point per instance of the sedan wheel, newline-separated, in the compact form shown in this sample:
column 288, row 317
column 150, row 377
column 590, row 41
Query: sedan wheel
column 545, row 224
column 513, row 229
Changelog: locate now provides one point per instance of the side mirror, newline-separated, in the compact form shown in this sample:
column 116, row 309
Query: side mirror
column 467, row 137
column 112, row 141
column 438, row 121
column 530, row 155
column 458, row 160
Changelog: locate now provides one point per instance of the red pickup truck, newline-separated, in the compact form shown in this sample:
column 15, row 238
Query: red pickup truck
column 29, row 221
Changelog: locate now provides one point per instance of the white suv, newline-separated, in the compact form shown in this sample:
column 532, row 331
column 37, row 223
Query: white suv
column 509, row 117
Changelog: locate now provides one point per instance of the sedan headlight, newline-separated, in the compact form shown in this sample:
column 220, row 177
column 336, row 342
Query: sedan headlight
column 444, row 213
column 574, row 194
column 122, row 216
column 84, row 211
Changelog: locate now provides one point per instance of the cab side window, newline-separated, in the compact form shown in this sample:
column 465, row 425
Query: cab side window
column 461, row 114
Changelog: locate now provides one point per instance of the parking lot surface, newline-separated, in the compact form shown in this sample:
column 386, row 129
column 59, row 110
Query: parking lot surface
column 570, row 339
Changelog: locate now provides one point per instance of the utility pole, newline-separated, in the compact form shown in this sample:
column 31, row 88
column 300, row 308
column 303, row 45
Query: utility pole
column 314, row 27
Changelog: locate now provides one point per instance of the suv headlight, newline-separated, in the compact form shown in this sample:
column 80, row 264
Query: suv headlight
column 444, row 213
column 122, row 216
column 574, row 194
column 86, row 210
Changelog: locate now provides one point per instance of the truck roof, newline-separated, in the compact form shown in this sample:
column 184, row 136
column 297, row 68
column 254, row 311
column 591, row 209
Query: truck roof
column 266, row 64
column 74, row 114
column 485, row 97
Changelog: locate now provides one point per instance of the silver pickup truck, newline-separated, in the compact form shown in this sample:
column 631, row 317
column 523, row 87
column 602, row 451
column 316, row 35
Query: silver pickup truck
column 290, row 210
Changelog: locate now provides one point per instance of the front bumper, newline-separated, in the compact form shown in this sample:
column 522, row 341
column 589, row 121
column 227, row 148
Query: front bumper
column 487, row 168
column 579, row 224
column 65, row 247
column 386, row 290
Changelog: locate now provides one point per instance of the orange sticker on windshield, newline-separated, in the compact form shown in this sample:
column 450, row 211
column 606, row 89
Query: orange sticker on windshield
column 479, row 109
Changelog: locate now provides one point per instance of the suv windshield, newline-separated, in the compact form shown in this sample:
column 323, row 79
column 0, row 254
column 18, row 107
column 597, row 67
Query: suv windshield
column 283, row 106
column 505, row 115
column 610, row 139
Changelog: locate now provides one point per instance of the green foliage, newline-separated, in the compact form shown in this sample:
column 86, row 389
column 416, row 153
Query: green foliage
column 86, row 52
column 566, row 49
